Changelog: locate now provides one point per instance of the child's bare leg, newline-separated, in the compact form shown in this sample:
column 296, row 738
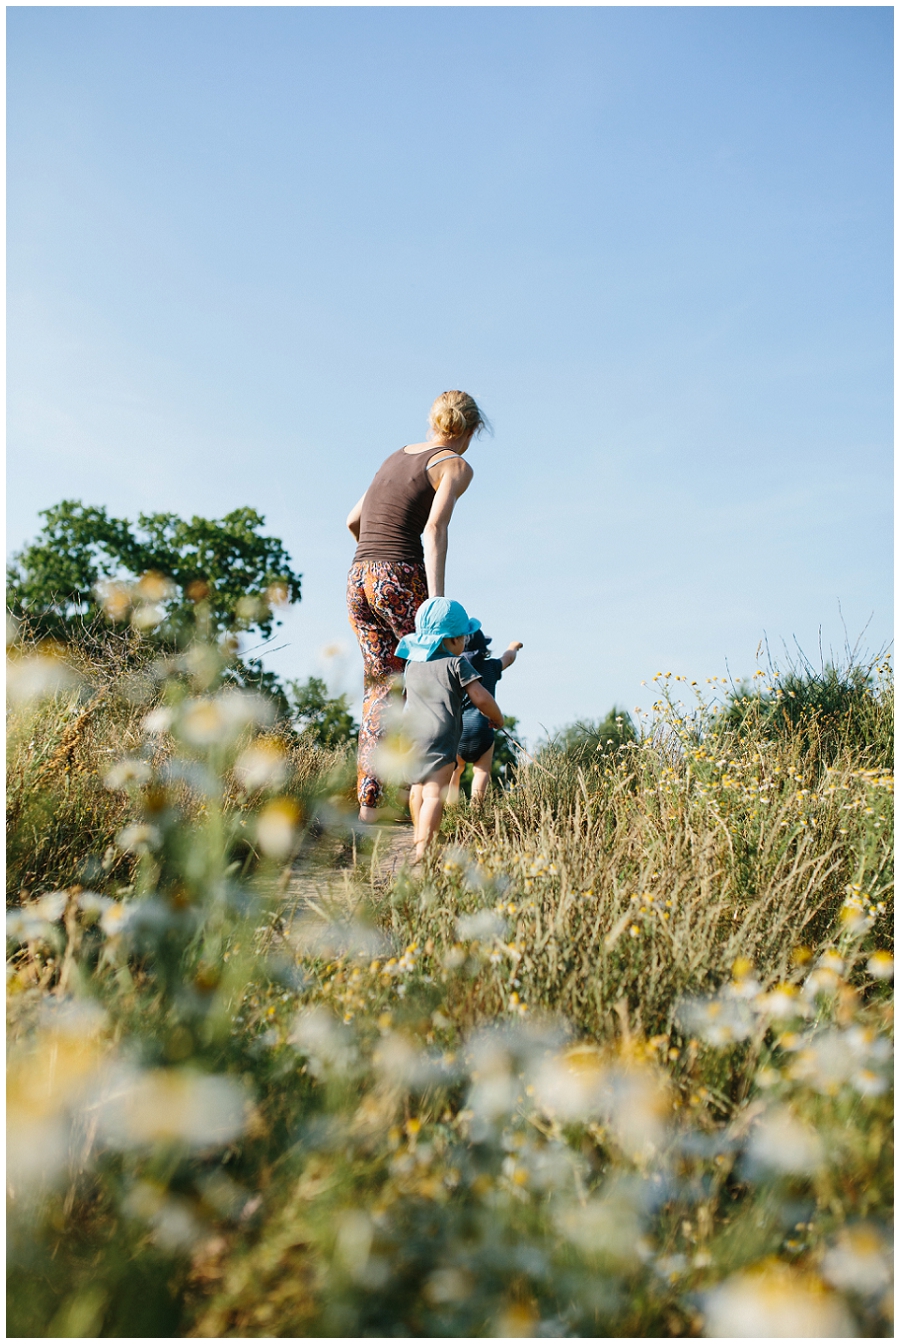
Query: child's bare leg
column 431, row 809
column 453, row 790
column 415, row 804
column 481, row 776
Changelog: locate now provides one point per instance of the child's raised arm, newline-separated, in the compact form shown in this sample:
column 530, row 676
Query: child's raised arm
column 509, row 657
column 483, row 700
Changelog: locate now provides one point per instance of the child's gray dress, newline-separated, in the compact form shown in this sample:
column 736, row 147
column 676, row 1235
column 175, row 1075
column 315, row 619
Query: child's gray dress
column 433, row 713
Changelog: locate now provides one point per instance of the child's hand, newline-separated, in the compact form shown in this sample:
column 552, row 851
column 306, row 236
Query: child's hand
column 509, row 656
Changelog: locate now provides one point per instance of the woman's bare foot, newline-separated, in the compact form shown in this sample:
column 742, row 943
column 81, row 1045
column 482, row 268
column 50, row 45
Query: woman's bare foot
column 369, row 815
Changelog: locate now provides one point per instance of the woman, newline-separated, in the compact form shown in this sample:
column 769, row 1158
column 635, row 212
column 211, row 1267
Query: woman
column 400, row 525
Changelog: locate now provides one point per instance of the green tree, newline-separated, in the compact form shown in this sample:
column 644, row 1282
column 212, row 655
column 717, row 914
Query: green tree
column 829, row 708
column 587, row 741
column 327, row 719
column 163, row 573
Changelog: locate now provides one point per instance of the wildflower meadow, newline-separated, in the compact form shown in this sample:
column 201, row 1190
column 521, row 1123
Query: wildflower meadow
column 616, row 1060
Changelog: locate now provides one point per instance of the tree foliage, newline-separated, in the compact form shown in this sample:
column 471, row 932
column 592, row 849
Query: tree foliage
column 587, row 741
column 829, row 708
column 326, row 719
column 163, row 573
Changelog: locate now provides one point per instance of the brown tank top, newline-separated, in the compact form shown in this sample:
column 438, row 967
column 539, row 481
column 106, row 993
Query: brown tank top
column 396, row 509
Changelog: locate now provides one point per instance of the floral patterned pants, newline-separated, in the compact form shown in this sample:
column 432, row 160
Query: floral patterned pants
column 382, row 599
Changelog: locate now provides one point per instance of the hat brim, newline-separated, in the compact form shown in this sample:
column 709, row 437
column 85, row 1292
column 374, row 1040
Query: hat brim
column 419, row 649
column 463, row 634
column 412, row 649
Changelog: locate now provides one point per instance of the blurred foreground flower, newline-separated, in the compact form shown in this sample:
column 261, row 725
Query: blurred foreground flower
column 482, row 926
column 401, row 1063
column 278, row 594
column 327, row 1043
column 860, row 1260
column 856, row 916
column 881, row 966
column 570, row 1085
column 354, row 1242
column 830, row 1059
column 155, row 587
column 22, row 926
column 31, row 921
column 139, row 838
column 276, row 826
column 208, row 720
column 114, row 597
column 632, row 1099
column 47, row 1082
column 517, row 1320
column 176, row 1107
column 774, row 1301
column 825, row 979
column 115, row 918
column 126, row 773
column 780, row 1141
column 158, row 721
column 608, row 1227
column 202, row 722
column 781, row 1003
column 148, row 616
column 261, row 766
column 37, row 677
column 314, row 936
column 719, row 1021
column 498, row 1059
column 635, row 1104
column 93, row 906
column 173, row 1222
column 397, row 759
column 449, row 1285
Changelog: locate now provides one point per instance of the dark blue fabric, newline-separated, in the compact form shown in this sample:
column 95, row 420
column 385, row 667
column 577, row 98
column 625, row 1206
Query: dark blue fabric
column 477, row 733
column 490, row 670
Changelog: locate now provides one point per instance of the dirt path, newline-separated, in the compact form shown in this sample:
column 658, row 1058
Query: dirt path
column 314, row 880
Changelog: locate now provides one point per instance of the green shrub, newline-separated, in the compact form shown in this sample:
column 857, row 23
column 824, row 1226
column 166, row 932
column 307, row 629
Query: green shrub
column 325, row 719
column 833, row 709
column 587, row 742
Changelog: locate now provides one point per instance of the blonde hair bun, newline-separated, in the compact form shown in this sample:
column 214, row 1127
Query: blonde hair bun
column 455, row 414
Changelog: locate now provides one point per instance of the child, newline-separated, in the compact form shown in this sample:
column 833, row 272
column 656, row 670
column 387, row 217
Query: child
column 437, row 679
column 477, row 742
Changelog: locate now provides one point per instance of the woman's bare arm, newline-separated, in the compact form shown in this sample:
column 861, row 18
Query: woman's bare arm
column 508, row 657
column 455, row 475
column 354, row 517
column 483, row 700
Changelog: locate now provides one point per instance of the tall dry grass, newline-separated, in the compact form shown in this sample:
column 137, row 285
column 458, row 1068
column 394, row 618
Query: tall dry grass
column 614, row 1062
column 647, row 879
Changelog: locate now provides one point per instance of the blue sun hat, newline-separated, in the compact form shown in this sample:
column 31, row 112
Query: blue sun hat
column 437, row 619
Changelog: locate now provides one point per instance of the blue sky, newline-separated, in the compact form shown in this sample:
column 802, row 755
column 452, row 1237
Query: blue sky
column 247, row 247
